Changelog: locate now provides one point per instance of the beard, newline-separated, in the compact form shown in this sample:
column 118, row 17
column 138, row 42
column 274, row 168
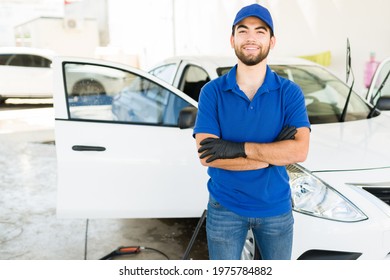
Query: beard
column 251, row 60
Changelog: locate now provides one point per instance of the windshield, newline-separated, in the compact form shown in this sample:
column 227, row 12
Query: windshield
column 325, row 94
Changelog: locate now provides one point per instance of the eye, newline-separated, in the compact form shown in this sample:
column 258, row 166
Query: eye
column 261, row 31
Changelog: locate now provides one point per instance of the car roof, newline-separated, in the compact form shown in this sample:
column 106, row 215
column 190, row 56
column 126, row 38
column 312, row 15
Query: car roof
column 28, row 50
column 228, row 61
column 203, row 60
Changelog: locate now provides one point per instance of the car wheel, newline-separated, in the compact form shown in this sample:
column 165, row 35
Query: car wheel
column 250, row 250
column 88, row 87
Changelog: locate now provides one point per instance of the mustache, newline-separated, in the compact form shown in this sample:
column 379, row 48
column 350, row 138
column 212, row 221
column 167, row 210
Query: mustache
column 251, row 45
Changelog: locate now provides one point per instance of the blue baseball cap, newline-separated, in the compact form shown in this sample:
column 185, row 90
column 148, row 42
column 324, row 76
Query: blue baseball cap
column 255, row 10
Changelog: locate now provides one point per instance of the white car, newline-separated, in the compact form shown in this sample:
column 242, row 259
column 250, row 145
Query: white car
column 136, row 157
column 27, row 73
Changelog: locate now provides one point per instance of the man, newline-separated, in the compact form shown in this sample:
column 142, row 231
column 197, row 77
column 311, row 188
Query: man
column 250, row 124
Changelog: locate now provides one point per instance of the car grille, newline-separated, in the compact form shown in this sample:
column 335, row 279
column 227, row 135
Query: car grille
column 381, row 193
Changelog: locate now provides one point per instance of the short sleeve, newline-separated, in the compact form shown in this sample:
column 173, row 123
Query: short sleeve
column 207, row 116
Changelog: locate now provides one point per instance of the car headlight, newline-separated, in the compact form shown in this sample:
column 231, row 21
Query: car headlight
column 312, row 196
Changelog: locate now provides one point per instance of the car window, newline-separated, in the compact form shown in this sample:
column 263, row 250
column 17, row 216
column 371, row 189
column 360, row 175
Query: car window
column 107, row 94
column 4, row 58
column 165, row 72
column 325, row 94
column 192, row 81
column 223, row 70
column 24, row 60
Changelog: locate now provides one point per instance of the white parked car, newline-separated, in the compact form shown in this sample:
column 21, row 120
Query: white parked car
column 133, row 155
column 27, row 73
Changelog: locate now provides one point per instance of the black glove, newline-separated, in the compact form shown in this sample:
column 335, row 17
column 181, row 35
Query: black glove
column 287, row 133
column 220, row 149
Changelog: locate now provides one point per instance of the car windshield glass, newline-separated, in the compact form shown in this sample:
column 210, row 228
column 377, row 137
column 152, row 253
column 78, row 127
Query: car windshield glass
column 165, row 72
column 325, row 94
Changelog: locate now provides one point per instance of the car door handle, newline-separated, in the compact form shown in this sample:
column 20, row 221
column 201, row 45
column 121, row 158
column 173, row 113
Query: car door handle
column 79, row 148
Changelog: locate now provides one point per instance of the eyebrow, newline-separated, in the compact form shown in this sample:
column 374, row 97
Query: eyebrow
column 246, row 27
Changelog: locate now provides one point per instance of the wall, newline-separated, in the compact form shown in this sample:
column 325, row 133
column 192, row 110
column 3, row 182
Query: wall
column 308, row 27
column 303, row 27
column 57, row 34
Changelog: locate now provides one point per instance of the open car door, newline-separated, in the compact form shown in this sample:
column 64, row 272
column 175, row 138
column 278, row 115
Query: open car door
column 120, row 151
column 379, row 92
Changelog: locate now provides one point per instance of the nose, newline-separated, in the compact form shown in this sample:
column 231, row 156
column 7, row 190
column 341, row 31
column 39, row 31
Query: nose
column 251, row 36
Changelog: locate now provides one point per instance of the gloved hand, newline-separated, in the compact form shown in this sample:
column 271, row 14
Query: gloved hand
column 287, row 133
column 220, row 149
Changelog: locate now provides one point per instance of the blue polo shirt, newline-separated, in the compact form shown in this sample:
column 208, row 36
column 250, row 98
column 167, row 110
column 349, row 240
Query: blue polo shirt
column 225, row 111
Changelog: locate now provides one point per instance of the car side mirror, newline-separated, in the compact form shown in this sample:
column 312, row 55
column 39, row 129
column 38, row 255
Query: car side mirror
column 383, row 103
column 187, row 117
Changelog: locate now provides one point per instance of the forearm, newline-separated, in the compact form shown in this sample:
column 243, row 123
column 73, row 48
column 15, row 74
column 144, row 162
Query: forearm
column 278, row 153
column 290, row 146
column 281, row 152
column 236, row 164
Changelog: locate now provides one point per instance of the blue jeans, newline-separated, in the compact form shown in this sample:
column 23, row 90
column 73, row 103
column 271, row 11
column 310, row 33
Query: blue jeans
column 227, row 231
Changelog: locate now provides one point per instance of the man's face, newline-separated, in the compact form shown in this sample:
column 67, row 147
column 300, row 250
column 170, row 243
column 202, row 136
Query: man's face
column 252, row 41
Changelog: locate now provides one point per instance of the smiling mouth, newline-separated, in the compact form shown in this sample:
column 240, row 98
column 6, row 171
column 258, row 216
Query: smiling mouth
column 251, row 48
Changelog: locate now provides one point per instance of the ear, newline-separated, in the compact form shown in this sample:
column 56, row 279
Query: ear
column 232, row 41
column 272, row 42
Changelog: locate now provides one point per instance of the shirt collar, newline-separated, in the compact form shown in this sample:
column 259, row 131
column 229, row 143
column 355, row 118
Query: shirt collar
column 271, row 81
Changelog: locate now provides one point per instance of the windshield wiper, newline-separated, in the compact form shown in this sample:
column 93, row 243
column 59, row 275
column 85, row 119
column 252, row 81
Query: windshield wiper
column 378, row 92
column 349, row 70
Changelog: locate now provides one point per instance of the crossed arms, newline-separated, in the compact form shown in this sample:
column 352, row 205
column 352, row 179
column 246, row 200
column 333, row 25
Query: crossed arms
column 291, row 146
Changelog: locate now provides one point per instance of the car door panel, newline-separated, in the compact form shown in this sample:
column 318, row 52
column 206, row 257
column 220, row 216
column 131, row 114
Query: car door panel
column 118, row 169
column 31, row 81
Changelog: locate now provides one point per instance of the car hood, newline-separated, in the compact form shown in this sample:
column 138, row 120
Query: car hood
column 353, row 145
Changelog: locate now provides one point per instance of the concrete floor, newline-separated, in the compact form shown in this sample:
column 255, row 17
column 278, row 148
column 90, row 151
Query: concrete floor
column 29, row 228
